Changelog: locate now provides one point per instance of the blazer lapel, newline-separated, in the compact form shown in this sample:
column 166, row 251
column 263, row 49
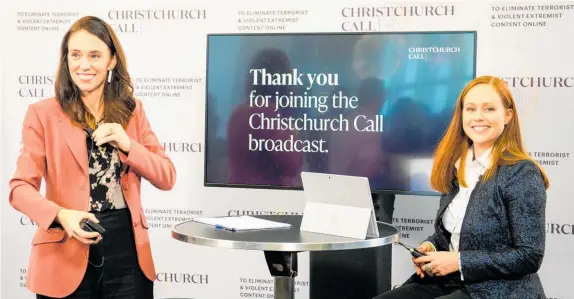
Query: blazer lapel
column 131, row 129
column 442, row 233
column 76, row 141
column 448, row 199
column 444, row 205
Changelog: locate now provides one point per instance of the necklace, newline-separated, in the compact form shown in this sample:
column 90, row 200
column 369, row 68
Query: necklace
column 100, row 121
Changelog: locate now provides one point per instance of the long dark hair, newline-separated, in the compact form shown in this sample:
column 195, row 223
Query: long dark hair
column 118, row 99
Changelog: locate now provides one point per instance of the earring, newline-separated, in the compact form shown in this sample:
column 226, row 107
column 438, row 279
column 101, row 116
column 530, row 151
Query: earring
column 109, row 76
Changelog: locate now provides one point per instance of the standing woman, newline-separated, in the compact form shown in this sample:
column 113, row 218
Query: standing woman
column 91, row 144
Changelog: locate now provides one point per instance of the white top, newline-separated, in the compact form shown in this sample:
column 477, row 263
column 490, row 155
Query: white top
column 454, row 214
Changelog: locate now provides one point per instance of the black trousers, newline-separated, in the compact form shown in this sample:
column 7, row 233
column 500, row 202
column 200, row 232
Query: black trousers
column 113, row 271
column 428, row 288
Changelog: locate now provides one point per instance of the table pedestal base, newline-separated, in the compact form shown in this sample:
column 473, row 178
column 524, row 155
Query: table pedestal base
column 283, row 267
column 284, row 288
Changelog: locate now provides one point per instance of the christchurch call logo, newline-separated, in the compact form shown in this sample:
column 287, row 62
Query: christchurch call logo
column 526, row 90
column 434, row 55
column 25, row 221
column 560, row 229
column 129, row 21
column 381, row 18
column 182, row 147
column 182, row 278
column 35, row 86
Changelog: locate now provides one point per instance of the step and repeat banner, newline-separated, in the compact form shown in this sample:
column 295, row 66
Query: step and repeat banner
column 2, row 186
column 527, row 43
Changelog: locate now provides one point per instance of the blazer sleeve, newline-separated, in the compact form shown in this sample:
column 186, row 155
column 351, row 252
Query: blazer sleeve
column 30, row 169
column 524, row 195
column 148, row 158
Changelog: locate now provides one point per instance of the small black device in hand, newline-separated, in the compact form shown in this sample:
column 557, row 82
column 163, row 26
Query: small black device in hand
column 91, row 226
column 414, row 252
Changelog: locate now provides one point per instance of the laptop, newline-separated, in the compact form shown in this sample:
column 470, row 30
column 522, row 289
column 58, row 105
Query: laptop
column 339, row 192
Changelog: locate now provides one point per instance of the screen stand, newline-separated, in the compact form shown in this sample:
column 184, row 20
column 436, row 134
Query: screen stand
column 384, row 205
column 360, row 273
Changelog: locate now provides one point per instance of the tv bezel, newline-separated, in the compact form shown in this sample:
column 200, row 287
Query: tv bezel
column 294, row 188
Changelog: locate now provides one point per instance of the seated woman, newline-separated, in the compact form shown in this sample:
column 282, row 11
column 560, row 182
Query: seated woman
column 489, row 230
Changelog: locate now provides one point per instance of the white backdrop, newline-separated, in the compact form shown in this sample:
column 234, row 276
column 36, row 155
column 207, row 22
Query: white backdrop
column 2, row 186
column 532, row 48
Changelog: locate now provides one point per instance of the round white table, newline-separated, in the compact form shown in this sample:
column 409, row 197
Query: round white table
column 280, row 246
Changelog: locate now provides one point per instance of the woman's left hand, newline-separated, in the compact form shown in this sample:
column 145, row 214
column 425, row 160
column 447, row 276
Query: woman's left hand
column 113, row 134
column 440, row 263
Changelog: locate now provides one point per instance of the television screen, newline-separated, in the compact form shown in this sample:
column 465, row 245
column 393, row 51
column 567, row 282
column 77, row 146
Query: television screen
column 368, row 104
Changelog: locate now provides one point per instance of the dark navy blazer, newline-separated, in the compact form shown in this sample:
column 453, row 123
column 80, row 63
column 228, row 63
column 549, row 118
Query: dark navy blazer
column 502, row 237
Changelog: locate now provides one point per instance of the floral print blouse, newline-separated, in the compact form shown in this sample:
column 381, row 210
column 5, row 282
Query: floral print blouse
column 104, row 169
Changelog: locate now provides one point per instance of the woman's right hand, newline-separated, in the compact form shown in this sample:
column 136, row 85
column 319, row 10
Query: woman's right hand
column 71, row 220
column 424, row 248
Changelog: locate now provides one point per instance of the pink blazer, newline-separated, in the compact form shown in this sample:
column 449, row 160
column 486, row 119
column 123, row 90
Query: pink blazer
column 55, row 149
